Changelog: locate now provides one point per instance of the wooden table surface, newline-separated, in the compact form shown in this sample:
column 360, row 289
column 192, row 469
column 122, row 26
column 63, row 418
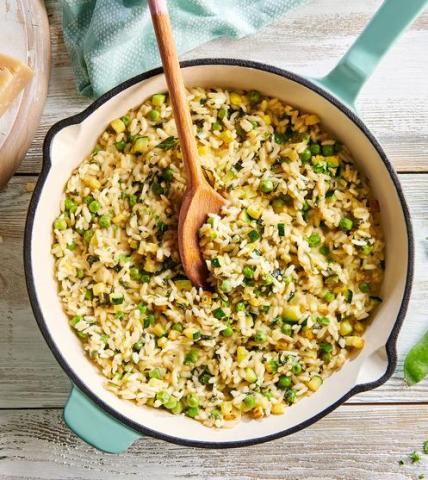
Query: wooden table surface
column 363, row 439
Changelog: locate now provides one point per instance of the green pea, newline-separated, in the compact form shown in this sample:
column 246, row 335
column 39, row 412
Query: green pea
column 94, row 206
column 88, row 235
column 249, row 402
column 248, row 272
column 132, row 199
column 326, row 347
column 219, row 313
column 227, row 332
column 104, row 221
column 306, row 155
column 178, row 408
column 364, row 287
column 296, row 369
column 240, row 307
column 315, row 149
column 154, row 115
column 329, row 297
column 222, row 113
column 137, row 346
column 155, row 373
column 314, row 239
column 226, row 286
column 290, row 396
column 192, row 412
column 346, row 224
column 266, row 186
column 70, row 205
column 327, row 150
column 192, row 400
column 284, row 382
column 163, row 397
column 272, row 366
column 324, row 250
column 120, row 145
column 260, row 336
column 60, row 223
column 71, row 246
column 216, row 126
column 326, row 357
column 254, row 96
column 287, row 329
column 80, row 273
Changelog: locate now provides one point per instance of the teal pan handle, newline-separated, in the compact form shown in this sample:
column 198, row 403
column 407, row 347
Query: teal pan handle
column 350, row 74
column 94, row 426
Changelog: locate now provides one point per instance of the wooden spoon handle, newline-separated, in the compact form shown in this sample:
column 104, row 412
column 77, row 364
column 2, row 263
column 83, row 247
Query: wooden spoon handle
column 168, row 52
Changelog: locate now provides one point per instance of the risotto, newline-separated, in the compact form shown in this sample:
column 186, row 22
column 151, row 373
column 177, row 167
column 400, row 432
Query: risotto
column 295, row 259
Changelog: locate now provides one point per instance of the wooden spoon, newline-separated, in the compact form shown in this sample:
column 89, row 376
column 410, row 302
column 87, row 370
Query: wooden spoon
column 200, row 198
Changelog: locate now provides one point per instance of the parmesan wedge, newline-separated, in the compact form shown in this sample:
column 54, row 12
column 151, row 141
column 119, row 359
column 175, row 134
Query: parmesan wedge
column 14, row 76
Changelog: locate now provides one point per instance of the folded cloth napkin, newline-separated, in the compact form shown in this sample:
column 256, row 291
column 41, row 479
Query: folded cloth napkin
column 113, row 40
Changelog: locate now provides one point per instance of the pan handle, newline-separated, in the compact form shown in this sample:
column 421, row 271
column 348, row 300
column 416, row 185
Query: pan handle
column 94, row 426
column 350, row 74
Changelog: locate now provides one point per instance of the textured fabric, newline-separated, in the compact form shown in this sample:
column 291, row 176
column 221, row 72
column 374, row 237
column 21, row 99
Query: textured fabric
column 113, row 40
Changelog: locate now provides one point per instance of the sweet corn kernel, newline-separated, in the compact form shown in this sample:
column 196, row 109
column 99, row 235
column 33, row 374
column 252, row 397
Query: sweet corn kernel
column 235, row 99
column 345, row 328
column 278, row 408
column 359, row 327
column 118, row 126
column 226, row 136
column 150, row 265
column 98, row 289
column 158, row 330
column 118, row 219
column 354, row 341
column 254, row 212
column 312, row 120
column 91, row 182
column 250, row 375
column 266, row 118
column 257, row 412
column 162, row 342
column 308, row 333
column 226, row 408
column 291, row 313
column 188, row 332
column 202, row 150
column 333, row 161
column 141, row 145
column 241, row 354
column 173, row 334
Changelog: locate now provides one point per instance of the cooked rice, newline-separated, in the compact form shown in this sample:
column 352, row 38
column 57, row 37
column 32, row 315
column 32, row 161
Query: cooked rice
column 295, row 258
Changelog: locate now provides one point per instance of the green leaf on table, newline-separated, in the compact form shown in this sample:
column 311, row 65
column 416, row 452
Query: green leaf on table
column 416, row 362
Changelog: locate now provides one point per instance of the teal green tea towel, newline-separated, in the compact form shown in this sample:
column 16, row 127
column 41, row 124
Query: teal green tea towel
column 113, row 40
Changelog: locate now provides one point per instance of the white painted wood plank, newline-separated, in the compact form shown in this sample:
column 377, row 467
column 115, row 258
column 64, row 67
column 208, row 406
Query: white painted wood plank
column 29, row 375
column 309, row 40
column 353, row 443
